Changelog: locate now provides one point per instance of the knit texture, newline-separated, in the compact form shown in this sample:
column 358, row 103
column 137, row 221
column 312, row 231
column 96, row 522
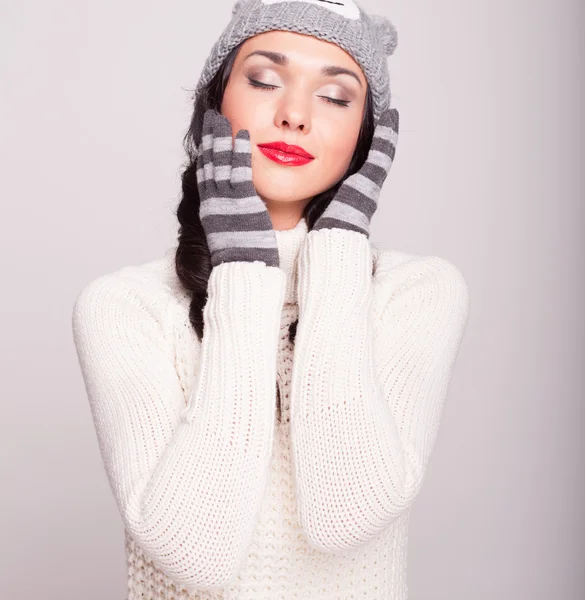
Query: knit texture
column 221, row 495
column 235, row 219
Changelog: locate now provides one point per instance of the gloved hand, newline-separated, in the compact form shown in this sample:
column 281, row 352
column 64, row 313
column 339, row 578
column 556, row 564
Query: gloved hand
column 235, row 219
column 357, row 198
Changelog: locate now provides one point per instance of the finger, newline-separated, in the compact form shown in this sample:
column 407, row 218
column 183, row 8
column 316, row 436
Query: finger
column 243, row 189
column 390, row 118
column 383, row 148
column 207, row 146
column 200, row 175
column 386, row 133
column 222, row 153
column 242, row 160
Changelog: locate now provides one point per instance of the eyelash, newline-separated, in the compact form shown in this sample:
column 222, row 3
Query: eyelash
column 264, row 86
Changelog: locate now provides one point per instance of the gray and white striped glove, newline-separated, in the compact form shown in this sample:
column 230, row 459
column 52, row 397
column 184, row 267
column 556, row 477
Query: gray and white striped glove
column 357, row 199
column 235, row 219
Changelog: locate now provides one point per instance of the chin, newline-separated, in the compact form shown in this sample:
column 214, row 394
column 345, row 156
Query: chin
column 284, row 192
column 282, row 198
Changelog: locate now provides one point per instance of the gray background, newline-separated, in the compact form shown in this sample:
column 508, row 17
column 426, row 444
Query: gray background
column 95, row 99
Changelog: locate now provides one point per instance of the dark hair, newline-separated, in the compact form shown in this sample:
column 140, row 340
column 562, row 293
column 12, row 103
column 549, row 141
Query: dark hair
column 192, row 259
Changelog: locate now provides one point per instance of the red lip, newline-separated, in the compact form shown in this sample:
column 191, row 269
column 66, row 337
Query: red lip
column 283, row 147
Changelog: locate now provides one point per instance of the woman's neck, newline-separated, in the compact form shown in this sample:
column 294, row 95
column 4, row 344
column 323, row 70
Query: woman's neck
column 289, row 243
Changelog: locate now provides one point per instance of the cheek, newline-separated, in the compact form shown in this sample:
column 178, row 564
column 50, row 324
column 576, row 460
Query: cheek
column 243, row 109
column 338, row 146
column 235, row 110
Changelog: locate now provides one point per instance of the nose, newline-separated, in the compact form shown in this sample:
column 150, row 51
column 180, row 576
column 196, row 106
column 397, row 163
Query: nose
column 294, row 112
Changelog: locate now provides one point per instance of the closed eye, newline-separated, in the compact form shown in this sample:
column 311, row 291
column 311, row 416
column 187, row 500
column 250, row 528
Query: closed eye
column 265, row 86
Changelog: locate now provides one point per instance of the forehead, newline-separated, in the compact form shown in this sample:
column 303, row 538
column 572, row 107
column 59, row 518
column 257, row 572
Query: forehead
column 345, row 8
column 301, row 48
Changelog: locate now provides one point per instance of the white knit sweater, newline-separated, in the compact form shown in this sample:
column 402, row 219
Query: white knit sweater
column 221, row 494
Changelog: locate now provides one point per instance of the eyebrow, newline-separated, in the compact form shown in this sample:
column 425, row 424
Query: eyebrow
column 282, row 60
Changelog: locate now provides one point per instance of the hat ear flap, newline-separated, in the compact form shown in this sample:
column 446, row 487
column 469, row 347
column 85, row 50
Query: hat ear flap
column 386, row 31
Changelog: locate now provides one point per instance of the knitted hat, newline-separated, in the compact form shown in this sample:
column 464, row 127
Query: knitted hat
column 369, row 39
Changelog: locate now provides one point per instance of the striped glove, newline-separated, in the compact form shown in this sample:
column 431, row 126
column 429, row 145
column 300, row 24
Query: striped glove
column 235, row 219
column 357, row 198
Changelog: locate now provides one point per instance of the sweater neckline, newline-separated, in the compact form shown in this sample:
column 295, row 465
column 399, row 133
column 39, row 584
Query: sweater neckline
column 289, row 243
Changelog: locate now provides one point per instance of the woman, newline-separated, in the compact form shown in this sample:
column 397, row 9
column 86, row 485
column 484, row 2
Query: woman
column 267, row 395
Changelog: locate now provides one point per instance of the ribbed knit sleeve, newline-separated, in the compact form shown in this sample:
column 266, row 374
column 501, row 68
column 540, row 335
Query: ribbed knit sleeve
column 188, row 474
column 369, row 381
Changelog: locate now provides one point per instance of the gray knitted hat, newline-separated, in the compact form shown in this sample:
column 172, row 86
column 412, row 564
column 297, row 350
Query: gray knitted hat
column 369, row 39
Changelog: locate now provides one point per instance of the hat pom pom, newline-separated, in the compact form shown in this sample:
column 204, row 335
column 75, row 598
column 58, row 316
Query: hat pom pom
column 387, row 33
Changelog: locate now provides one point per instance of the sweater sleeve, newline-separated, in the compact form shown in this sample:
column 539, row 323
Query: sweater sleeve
column 188, row 474
column 370, row 376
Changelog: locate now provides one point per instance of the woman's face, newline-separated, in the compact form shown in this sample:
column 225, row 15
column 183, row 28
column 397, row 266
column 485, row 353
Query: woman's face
column 296, row 111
